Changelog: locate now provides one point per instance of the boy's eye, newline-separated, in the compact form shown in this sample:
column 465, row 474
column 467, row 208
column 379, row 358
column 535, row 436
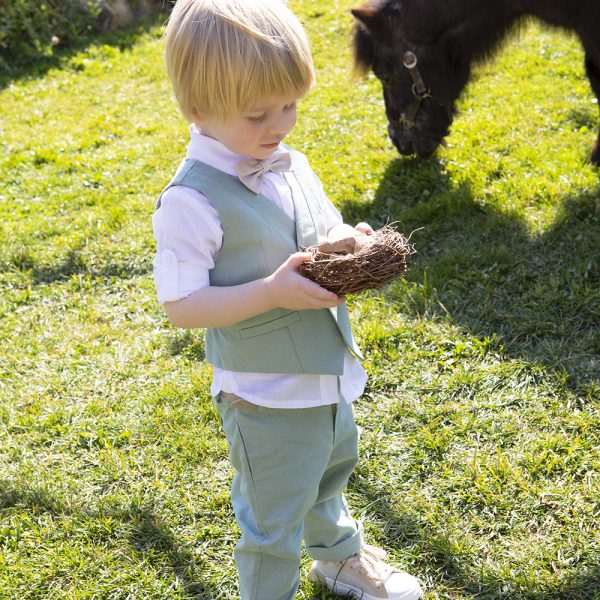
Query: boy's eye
column 258, row 118
column 263, row 116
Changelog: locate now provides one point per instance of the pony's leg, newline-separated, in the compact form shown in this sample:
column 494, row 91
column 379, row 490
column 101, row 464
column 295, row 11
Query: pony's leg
column 592, row 67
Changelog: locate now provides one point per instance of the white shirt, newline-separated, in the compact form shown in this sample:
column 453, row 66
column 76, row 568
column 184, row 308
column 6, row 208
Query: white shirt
column 189, row 236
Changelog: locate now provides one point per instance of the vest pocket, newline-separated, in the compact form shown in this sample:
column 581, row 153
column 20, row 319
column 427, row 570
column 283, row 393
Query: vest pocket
column 268, row 326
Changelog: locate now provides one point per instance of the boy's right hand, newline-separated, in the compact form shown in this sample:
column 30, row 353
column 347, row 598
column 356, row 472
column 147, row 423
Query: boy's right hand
column 288, row 289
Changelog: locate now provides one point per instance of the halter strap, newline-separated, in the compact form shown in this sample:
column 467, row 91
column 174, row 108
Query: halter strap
column 409, row 60
column 420, row 91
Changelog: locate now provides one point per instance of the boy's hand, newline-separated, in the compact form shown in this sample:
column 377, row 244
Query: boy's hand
column 288, row 289
column 343, row 231
column 363, row 227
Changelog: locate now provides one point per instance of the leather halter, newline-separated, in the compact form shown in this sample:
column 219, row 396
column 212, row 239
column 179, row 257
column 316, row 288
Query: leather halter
column 419, row 91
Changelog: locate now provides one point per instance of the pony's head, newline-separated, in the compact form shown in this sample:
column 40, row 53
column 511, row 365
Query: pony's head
column 421, row 77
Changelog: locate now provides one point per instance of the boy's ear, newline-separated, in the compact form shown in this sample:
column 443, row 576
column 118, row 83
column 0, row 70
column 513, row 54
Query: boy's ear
column 197, row 118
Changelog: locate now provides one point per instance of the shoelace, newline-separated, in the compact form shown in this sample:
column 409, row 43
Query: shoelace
column 369, row 561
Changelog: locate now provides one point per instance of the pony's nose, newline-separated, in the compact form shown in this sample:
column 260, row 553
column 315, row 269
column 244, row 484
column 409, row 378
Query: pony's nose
column 405, row 149
column 403, row 145
column 424, row 148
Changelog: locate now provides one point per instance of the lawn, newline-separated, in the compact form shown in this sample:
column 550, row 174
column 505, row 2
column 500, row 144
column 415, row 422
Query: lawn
column 481, row 420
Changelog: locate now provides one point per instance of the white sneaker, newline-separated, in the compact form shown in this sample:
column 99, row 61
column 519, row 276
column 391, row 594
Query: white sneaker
column 365, row 576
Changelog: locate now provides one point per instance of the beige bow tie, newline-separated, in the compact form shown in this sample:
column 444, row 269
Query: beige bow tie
column 252, row 170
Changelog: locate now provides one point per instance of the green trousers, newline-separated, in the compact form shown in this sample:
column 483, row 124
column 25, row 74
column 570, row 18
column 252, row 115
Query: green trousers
column 291, row 467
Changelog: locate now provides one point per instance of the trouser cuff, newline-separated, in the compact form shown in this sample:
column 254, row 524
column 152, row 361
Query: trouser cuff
column 342, row 550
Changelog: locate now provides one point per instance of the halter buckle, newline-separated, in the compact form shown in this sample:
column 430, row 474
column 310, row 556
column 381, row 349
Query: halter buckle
column 409, row 60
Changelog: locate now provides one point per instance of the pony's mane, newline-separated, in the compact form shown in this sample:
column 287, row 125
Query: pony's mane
column 362, row 42
column 467, row 29
column 362, row 46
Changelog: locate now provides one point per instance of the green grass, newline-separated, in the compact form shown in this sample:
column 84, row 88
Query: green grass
column 480, row 446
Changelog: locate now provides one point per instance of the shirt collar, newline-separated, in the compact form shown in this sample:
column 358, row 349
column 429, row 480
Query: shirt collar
column 212, row 152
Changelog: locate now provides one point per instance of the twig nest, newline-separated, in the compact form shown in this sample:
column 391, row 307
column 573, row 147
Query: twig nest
column 355, row 264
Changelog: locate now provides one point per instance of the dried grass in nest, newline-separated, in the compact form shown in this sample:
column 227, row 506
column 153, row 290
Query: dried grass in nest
column 359, row 263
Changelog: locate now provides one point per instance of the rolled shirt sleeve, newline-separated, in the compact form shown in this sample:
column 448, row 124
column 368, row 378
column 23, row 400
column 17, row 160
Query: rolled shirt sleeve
column 188, row 238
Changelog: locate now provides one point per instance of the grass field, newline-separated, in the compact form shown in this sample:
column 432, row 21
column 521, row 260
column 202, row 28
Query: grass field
column 481, row 420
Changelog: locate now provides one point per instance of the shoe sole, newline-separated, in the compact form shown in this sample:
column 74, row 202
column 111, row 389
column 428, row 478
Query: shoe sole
column 337, row 587
column 343, row 589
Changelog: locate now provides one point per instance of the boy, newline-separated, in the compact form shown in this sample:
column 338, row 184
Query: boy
column 228, row 229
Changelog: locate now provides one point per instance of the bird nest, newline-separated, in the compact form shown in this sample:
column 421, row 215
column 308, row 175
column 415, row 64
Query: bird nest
column 358, row 263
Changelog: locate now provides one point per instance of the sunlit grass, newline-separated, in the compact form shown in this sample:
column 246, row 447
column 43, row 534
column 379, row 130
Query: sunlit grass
column 480, row 445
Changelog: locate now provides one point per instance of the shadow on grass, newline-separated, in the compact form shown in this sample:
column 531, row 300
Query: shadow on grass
column 36, row 69
column 151, row 537
column 447, row 567
column 76, row 264
column 77, row 261
column 147, row 534
column 584, row 585
column 537, row 295
column 155, row 544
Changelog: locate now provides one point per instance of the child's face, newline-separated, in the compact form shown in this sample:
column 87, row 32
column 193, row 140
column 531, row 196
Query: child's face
column 256, row 132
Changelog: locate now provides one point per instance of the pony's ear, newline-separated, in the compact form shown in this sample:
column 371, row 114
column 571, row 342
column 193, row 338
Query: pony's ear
column 369, row 18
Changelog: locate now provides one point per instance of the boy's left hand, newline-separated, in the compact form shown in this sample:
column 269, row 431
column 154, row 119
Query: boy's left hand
column 363, row 227
column 341, row 231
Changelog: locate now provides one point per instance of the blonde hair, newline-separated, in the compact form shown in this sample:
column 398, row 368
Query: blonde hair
column 224, row 56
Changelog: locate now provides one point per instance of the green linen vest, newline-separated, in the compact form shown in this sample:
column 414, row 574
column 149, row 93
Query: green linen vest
column 257, row 238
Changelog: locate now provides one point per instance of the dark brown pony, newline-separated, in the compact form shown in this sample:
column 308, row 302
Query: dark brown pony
column 423, row 50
